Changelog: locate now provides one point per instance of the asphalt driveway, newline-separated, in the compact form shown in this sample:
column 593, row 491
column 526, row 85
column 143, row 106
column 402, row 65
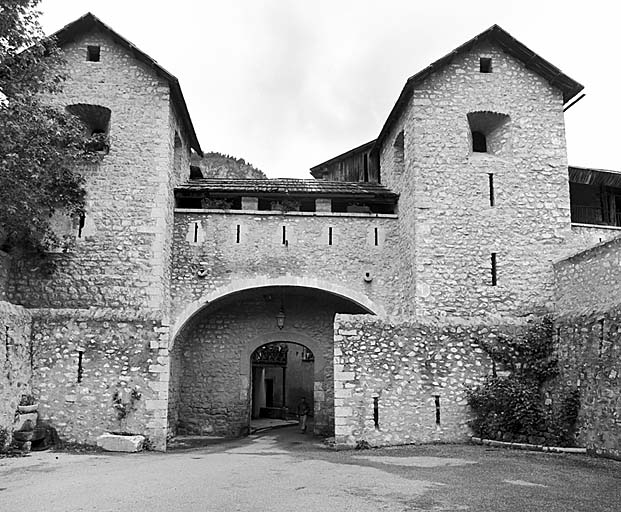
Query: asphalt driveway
column 283, row 470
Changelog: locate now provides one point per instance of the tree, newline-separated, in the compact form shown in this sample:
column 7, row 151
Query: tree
column 41, row 146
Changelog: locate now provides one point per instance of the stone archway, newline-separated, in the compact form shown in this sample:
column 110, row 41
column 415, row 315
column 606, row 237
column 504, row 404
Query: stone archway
column 210, row 373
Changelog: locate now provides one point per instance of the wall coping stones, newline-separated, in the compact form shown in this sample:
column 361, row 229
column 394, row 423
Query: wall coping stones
column 598, row 247
column 527, row 446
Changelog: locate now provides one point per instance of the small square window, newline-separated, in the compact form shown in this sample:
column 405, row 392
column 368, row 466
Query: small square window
column 93, row 53
column 485, row 65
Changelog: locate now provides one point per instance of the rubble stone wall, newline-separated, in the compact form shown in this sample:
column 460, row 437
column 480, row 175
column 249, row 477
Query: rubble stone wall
column 217, row 258
column 444, row 188
column 119, row 354
column 588, row 323
column 15, row 360
column 413, row 371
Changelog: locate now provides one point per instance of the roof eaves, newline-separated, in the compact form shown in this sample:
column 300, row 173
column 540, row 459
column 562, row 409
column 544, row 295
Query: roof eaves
column 71, row 30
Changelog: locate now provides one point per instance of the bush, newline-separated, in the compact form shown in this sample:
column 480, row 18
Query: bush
column 506, row 405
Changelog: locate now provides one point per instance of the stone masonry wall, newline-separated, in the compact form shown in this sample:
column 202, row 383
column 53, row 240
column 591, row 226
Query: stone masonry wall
column 588, row 326
column 119, row 354
column 220, row 259
column 119, row 261
column 5, row 262
column 406, row 366
column 590, row 280
column 444, row 189
column 15, row 359
column 211, row 357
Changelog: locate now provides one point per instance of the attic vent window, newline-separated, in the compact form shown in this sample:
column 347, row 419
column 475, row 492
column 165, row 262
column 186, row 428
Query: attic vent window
column 485, row 65
column 93, row 53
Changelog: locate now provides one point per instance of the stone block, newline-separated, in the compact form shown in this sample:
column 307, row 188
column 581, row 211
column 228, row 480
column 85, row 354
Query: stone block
column 118, row 443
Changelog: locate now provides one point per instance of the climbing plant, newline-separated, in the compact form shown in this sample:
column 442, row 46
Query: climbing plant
column 510, row 405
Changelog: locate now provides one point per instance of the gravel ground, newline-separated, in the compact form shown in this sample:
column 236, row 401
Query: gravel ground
column 284, row 470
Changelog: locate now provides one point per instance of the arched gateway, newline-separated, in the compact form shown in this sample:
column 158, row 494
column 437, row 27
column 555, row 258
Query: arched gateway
column 211, row 367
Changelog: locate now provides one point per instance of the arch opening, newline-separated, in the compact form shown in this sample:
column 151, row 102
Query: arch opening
column 220, row 361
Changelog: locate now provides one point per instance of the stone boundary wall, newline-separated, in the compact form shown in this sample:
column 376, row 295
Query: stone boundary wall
column 414, row 370
column 15, row 353
column 118, row 354
column 589, row 351
column 589, row 280
column 588, row 327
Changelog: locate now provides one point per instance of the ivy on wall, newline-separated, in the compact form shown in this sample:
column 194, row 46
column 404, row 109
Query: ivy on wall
column 510, row 405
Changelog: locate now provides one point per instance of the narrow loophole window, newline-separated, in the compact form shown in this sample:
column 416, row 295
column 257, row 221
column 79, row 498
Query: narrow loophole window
column 376, row 412
column 80, row 367
column 330, row 236
column 196, row 232
column 81, row 225
column 238, row 234
column 284, row 235
column 437, row 397
column 494, row 269
column 376, row 236
column 492, row 199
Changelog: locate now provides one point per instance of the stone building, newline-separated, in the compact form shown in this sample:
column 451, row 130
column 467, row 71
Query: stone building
column 387, row 270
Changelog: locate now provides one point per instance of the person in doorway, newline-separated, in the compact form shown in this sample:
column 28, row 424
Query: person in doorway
column 303, row 411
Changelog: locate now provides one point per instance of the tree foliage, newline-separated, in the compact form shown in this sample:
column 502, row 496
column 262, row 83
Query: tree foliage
column 41, row 145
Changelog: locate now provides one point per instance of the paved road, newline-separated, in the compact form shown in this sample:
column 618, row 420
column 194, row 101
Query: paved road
column 283, row 470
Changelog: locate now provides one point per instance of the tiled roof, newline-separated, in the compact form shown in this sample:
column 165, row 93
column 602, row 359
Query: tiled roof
column 587, row 176
column 287, row 186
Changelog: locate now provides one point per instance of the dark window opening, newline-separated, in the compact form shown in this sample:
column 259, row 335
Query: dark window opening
column 93, row 53
column 479, row 142
column 329, row 236
column 195, row 172
column 376, row 412
column 81, row 225
column 437, row 397
column 238, row 234
column 494, row 270
column 485, row 65
column 376, row 233
column 492, row 200
column 284, row 236
column 196, row 232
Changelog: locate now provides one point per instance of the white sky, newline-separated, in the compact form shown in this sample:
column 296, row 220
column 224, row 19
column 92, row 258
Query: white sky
column 287, row 84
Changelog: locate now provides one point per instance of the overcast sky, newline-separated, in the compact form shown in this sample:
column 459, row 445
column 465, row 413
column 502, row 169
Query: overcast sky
column 288, row 84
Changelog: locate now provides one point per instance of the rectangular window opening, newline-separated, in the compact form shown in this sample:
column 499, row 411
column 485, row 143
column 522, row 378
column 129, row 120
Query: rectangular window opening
column 238, row 234
column 492, row 200
column 93, row 53
column 376, row 236
column 485, row 65
column 494, row 270
column 196, row 232
column 437, row 398
column 330, row 236
column 284, row 236
column 376, row 412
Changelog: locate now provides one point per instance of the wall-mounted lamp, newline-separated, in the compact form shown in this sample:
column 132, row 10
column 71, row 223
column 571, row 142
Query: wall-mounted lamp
column 280, row 318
